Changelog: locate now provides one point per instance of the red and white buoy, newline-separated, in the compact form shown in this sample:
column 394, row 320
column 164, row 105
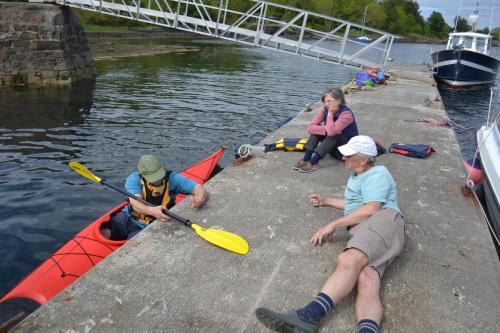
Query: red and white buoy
column 474, row 170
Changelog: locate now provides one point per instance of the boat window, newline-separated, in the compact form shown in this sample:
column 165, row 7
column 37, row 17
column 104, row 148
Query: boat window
column 480, row 46
column 462, row 43
column 474, row 44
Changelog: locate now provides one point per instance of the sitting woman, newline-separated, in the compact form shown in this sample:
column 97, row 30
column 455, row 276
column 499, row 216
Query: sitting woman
column 330, row 128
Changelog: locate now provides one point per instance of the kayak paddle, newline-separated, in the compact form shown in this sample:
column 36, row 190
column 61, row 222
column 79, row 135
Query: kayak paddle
column 221, row 238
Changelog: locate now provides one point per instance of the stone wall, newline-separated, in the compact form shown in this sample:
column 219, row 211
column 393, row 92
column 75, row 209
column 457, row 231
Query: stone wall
column 42, row 44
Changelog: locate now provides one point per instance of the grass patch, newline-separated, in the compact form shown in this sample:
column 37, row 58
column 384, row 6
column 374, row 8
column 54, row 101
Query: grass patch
column 89, row 27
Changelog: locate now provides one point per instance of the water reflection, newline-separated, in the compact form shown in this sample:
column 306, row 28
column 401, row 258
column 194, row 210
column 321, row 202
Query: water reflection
column 38, row 134
column 469, row 109
column 45, row 107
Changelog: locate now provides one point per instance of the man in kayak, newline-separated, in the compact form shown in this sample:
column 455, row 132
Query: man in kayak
column 377, row 237
column 157, row 186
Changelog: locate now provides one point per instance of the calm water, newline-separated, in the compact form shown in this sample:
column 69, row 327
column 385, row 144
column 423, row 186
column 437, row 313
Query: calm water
column 178, row 106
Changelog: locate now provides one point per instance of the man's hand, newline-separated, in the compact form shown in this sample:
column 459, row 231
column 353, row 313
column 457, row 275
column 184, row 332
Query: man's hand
column 198, row 197
column 324, row 233
column 196, row 202
column 316, row 200
column 157, row 212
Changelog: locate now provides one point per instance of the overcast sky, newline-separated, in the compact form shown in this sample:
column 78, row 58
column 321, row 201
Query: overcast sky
column 449, row 9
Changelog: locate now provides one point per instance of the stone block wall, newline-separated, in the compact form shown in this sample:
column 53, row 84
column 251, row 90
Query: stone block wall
column 42, row 44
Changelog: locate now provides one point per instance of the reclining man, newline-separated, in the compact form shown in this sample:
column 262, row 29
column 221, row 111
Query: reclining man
column 377, row 237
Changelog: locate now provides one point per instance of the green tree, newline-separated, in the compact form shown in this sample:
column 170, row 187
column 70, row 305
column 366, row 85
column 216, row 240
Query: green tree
column 461, row 24
column 437, row 25
column 485, row 31
column 376, row 15
column 403, row 16
column 496, row 33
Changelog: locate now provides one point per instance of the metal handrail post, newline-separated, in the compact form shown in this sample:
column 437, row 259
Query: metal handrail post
column 384, row 53
column 218, row 18
column 344, row 41
column 225, row 12
column 260, row 22
column 304, row 22
column 388, row 51
column 177, row 14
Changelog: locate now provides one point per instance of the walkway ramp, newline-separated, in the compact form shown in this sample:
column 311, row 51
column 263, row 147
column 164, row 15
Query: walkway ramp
column 290, row 30
column 167, row 279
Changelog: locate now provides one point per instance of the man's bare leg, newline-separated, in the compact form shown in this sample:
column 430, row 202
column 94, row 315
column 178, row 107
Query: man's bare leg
column 349, row 266
column 368, row 304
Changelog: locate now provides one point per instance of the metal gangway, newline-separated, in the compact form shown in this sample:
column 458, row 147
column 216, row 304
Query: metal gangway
column 262, row 24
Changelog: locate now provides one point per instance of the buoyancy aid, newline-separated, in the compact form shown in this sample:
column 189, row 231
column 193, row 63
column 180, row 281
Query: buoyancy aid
column 156, row 195
column 288, row 144
column 351, row 130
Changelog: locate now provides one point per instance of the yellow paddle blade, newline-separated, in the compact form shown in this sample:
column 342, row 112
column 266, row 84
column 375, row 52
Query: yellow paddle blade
column 81, row 170
column 224, row 239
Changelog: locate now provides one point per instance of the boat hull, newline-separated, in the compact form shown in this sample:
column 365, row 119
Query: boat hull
column 488, row 139
column 85, row 250
column 463, row 68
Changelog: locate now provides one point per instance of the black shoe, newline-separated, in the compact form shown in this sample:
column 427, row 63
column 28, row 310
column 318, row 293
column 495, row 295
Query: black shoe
column 285, row 323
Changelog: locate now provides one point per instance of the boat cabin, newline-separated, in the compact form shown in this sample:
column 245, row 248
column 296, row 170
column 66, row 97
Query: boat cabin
column 471, row 41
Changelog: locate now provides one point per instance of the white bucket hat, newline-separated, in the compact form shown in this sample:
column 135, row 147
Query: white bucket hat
column 360, row 144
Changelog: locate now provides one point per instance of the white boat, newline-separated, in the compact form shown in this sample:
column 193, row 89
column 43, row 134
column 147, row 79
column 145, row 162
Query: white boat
column 364, row 39
column 488, row 140
column 484, row 172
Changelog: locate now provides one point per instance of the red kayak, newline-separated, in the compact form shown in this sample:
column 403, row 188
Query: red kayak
column 80, row 254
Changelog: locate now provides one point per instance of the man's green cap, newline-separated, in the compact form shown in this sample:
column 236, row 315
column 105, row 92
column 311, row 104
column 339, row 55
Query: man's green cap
column 150, row 168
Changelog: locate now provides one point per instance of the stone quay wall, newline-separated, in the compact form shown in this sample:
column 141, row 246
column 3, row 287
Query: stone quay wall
column 42, row 44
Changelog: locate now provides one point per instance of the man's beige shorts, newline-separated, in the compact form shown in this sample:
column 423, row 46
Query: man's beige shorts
column 381, row 237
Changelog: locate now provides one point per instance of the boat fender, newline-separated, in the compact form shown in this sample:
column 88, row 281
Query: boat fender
column 474, row 170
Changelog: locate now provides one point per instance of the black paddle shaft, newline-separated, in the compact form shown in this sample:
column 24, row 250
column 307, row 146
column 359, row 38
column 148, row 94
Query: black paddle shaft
column 176, row 217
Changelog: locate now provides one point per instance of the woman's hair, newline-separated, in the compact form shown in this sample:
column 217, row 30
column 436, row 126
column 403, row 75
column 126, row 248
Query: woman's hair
column 335, row 93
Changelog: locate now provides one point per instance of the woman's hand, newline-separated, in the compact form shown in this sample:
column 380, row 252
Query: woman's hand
column 316, row 200
column 324, row 233
column 332, row 108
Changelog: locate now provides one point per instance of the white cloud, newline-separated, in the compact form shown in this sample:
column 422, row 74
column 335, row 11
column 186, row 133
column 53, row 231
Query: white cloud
column 449, row 9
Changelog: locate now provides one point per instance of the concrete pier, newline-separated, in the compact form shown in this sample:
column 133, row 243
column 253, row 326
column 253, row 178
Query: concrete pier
column 169, row 280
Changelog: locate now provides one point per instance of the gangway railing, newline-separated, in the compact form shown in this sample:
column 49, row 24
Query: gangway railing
column 261, row 23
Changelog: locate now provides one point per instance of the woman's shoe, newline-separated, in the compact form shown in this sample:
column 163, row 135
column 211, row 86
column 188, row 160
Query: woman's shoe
column 299, row 165
column 309, row 168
